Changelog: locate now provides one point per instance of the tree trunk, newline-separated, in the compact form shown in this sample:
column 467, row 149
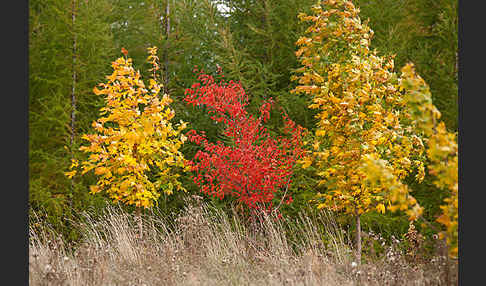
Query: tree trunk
column 73, row 94
column 166, row 49
column 447, row 264
column 358, row 238
column 138, row 214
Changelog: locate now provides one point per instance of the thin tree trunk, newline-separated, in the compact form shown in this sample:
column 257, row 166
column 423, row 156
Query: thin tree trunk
column 138, row 214
column 73, row 90
column 166, row 49
column 358, row 238
column 447, row 264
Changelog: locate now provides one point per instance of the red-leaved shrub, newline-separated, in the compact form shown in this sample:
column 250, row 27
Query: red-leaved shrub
column 255, row 165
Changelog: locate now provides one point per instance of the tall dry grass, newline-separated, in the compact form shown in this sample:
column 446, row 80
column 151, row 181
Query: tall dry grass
column 205, row 246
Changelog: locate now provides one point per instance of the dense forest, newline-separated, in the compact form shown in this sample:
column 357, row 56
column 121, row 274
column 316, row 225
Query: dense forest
column 245, row 110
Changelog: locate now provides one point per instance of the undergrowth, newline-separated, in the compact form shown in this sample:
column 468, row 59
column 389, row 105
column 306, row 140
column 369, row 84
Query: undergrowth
column 205, row 246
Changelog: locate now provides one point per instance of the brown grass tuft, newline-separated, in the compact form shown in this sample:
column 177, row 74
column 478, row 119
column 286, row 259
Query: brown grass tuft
column 205, row 246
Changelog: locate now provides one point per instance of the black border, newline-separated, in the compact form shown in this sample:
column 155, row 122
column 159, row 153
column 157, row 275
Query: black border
column 471, row 112
column 14, row 215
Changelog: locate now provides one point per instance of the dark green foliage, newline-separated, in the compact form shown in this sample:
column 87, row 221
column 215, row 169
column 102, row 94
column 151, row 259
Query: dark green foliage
column 51, row 49
column 257, row 47
column 137, row 25
column 49, row 106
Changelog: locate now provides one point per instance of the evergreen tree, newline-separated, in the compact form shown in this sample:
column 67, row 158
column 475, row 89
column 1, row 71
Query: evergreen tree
column 50, row 79
column 257, row 48
column 66, row 59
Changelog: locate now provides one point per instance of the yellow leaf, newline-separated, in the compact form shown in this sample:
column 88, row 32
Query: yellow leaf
column 444, row 219
column 320, row 132
column 100, row 170
column 70, row 174
column 306, row 162
column 152, row 83
column 320, row 206
column 97, row 91
column 94, row 189
column 380, row 208
column 74, row 163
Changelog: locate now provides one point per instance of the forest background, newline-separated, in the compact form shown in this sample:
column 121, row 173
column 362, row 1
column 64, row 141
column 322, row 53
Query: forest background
column 71, row 44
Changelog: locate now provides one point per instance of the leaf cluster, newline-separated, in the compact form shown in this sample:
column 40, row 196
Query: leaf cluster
column 254, row 165
column 364, row 127
column 135, row 146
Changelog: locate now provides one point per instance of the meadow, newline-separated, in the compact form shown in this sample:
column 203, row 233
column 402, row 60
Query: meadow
column 204, row 246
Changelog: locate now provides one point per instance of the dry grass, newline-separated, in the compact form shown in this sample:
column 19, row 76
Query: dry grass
column 204, row 246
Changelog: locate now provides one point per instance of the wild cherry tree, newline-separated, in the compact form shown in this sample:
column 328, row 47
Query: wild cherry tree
column 255, row 167
column 364, row 144
column 135, row 146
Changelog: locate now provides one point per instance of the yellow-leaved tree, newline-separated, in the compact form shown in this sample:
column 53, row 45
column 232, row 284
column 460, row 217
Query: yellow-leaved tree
column 134, row 150
column 442, row 150
column 364, row 144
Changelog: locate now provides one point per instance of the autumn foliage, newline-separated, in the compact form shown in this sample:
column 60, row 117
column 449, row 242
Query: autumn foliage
column 374, row 128
column 135, row 146
column 442, row 150
column 362, row 147
column 255, row 165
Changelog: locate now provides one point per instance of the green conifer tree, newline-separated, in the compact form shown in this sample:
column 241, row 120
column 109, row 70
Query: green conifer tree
column 66, row 58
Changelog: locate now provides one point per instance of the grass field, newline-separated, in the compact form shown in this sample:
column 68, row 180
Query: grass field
column 204, row 246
